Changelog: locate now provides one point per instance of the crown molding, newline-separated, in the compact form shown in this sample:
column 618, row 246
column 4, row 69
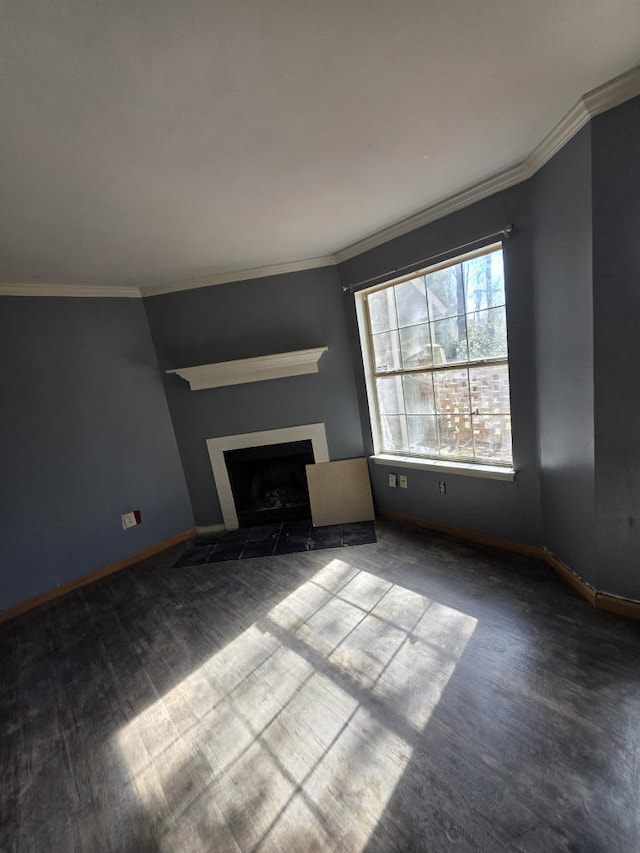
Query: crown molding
column 613, row 93
column 599, row 100
column 237, row 275
column 132, row 292
column 477, row 192
column 84, row 290
column 557, row 138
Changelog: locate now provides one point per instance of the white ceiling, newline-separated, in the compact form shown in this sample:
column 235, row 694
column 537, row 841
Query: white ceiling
column 152, row 140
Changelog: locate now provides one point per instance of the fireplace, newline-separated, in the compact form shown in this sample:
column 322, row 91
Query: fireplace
column 269, row 483
column 260, row 476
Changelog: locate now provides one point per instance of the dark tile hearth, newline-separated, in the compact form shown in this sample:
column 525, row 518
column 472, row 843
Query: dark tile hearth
column 290, row 537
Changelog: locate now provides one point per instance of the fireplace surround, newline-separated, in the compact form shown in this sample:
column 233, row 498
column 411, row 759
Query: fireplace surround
column 217, row 447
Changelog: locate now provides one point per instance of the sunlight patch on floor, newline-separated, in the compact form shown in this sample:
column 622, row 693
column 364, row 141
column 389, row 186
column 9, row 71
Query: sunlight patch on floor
column 297, row 732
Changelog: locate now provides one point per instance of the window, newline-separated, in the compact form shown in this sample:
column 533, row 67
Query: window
column 438, row 373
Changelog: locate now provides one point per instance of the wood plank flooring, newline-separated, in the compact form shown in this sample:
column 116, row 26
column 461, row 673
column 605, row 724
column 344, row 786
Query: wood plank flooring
column 417, row 694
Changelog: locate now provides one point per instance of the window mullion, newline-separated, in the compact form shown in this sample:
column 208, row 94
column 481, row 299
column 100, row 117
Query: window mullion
column 466, row 333
column 404, row 426
column 439, row 367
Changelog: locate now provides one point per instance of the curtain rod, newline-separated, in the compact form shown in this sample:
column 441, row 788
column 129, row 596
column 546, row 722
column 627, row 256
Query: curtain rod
column 414, row 267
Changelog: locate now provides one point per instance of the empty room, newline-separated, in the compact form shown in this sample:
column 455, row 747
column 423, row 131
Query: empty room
column 320, row 457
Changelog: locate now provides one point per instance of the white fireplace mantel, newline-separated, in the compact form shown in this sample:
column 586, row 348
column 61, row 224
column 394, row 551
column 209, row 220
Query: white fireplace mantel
column 251, row 369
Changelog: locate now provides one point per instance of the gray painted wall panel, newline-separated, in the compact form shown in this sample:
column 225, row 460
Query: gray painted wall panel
column 85, row 435
column 510, row 510
column 616, row 273
column 564, row 345
column 243, row 320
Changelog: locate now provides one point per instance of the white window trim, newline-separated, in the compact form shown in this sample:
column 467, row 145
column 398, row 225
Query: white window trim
column 480, row 470
column 468, row 469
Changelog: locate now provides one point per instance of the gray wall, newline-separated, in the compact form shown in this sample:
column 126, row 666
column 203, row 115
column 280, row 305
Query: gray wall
column 85, row 435
column 242, row 320
column 511, row 510
column 564, row 345
column 616, row 277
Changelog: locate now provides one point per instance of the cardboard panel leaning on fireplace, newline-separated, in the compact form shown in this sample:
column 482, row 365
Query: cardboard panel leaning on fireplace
column 340, row 492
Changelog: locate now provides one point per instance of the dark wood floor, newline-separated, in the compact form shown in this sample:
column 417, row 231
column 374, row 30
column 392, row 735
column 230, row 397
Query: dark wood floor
column 417, row 694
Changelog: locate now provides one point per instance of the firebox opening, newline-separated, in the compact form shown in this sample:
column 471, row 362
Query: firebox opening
column 269, row 483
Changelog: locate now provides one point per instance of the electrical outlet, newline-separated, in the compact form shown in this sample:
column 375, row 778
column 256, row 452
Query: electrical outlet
column 130, row 519
column 393, row 481
column 442, row 487
column 403, row 481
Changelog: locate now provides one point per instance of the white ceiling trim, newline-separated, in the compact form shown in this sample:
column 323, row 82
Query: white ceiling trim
column 17, row 289
column 490, row 186
column 605, row 97
column 237, row 275
column 613, row 93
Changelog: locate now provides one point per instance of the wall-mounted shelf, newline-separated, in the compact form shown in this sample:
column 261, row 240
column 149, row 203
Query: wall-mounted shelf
column 251, row 369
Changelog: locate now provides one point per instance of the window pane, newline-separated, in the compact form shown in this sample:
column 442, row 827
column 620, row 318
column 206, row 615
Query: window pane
column 492, row 437
column 450, row 340
column 446, row 292
column 382, row 310
column 425, row 331
column 423, row 435
column 411, row 302
column 452, row 391
column 390, row 395
column 387, row 351
column 487, row 333
column 489, row 389
column 455, row 435
column 416, row 346
column 418, row 394
column 484, row 281
column 394, row 433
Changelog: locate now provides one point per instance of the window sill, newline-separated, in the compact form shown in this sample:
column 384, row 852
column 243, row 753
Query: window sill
column 465, row 469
